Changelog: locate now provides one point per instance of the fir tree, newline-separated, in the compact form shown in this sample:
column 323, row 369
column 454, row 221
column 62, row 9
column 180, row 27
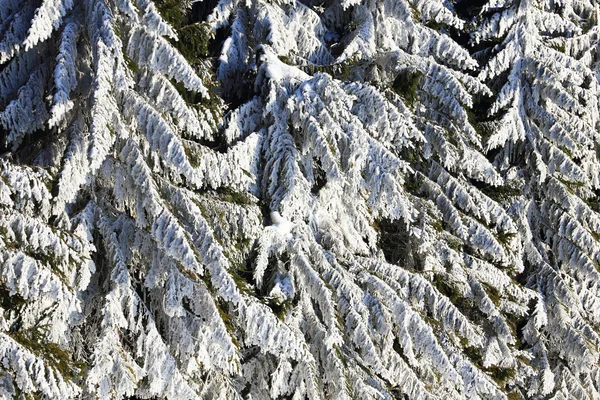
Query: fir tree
column 298, row 199
column 547, row 114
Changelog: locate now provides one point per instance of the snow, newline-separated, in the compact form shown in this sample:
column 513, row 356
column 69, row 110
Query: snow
column 279, row 71
column 281, row 225
column 401, row 251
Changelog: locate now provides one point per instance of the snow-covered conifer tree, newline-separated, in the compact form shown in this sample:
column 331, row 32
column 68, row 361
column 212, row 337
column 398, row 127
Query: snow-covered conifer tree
column 298, row 199
column 100, row 257
column 379, row 182
column 546, row 110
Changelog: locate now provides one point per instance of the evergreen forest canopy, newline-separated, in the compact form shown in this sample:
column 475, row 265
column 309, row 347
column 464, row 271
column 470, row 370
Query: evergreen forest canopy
column 299, row 199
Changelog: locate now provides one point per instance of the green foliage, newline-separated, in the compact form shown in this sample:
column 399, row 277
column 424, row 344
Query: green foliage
column 415, row 12
column 413, row 185
column 34, row 340
column 504, row 237
column 8, row 301
column 593, row 203
column 447, row 289
column 230, row 195
column 340, row 355
column 7, row 241
column 492, row 292
column 240, row 281
column 589, row 23
column 280, row 309
column 133, row 66
column 501, row 375
column 454, row 243
column 572, row 186
column 194, row 38
column 514, row 395
column 223, row 309
column 189, row 96
column 193, row 41
column 191, row 153
column 432, row 24
column 558, row 45
column 474, row 354
column 501, row 193
column 172, row 11
column 393, row 240
column 406, row 85
column 193, row 44
column 438, row 225
column 482, row 126
column 341, row 70
column 498, row 374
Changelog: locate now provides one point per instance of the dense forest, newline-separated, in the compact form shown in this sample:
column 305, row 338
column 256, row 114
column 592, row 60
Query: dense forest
column 299, row 199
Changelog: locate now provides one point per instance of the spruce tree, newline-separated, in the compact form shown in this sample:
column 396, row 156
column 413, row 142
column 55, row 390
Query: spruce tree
column 547, row 119
column 298, row 199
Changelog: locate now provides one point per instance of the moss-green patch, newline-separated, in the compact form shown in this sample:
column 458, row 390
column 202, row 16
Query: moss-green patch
column 492, row 292
column 231, row 195
column 239, row 277
column 406, row 84
column 132, row 65
column 435, row 25
column 572, row 186
column 414, row 156
column 454, row 243
column 223, row 309
column 501, row 375
column 50, row 260
column 567, row 151
column 172, row 11
column 27, row 396
column 189, row 96
column 514, row 395
column 483, row 127
column 193, row 44
column 504, row 237
column 211, row 104
column 341, row 70
column 558, row 45
column 474, row 354
column 589, row 23
column 340, row 355
column 204, row 278
column 516, row 323
column 280, row 309
column 9, row 243
column 447, row 289
column 593, row 203
column 501, row 193
column 194, row 40
column 437, row 224
column 192, row 153
column 49, row 185
column 243, row 244
column 416, row 14
column 34, row 340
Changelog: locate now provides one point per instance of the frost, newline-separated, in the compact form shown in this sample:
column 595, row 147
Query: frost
column 337, row 199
